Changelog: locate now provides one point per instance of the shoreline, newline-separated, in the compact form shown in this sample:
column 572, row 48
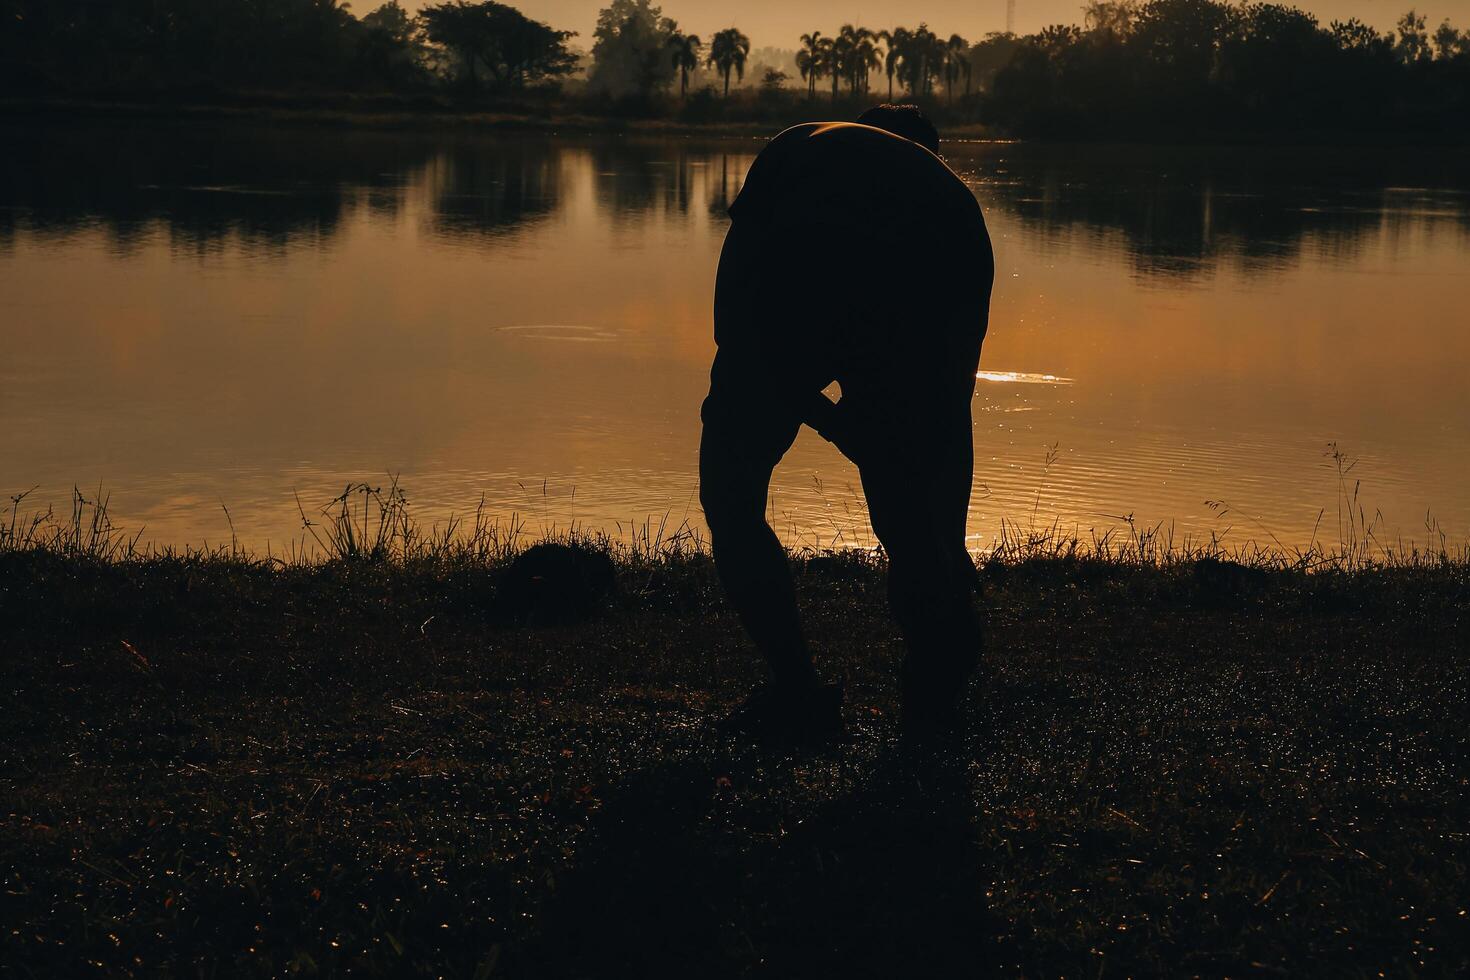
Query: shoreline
column 400, row 118
column 429, row 115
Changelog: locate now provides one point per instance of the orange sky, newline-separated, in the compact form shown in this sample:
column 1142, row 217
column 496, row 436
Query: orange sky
column 778, row 22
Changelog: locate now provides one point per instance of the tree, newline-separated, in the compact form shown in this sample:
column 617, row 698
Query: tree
column 1253, row 66
column 457, row 28
column 1272, row 60
column 989, row 56
column 1449, row 42
column 511, row 47
column 863, row 59
column 1413, row 38
column 773, row 80
column 920, row 60
column 854, row 57
column 894, row 42
column 392, row 21
column 956, row 63
column 728, row 50
column 1109, row 20
column 685, row 48
column 630, row 55
column 1178, row 42
column 386, row 45
column 810, row 61
column 832, row 58
column 1354, row 35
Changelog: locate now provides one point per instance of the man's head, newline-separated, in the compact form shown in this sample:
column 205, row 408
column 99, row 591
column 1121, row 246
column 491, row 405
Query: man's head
column 903, row 120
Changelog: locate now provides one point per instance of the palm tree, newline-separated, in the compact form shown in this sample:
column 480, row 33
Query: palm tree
column 865, row 58
column 956, row 63
column 922, row 60
column 809, row 61
column 828, row 59
column 842, row 50
column 727, row 52
column 894, row 42
column 685, row 49
column 909, row 55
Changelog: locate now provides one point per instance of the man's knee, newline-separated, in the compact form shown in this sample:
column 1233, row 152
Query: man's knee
column 743, row 439
column 732, row 496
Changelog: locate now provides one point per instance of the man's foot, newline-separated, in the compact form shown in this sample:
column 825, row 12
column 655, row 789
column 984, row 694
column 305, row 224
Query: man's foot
column 930, row 722
column 800, row 715
column 932, row 706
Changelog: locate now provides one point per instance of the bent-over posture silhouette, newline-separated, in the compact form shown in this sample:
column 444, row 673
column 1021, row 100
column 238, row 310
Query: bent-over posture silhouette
column 855, row 255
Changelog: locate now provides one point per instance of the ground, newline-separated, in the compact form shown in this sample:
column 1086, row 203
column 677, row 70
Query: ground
column 219, row 767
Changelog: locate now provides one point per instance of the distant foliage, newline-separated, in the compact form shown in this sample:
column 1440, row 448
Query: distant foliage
column 685, row 50
column 126, row 46
column 134, row 45
column 494, row 42
column 1187, row 66
column 1133, row 69
column 631, row 50
column 728, row 51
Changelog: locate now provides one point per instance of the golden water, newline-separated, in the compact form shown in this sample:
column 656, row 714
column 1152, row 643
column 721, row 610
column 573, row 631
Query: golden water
column 229, row 316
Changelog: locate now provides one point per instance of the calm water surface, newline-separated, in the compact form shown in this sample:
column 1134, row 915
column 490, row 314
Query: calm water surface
column 229, row 316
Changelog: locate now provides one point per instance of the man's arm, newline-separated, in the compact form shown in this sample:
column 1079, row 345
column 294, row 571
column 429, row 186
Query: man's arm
column 826, row 418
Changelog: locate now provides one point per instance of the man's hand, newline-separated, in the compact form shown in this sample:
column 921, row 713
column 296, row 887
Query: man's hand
column 829, row 421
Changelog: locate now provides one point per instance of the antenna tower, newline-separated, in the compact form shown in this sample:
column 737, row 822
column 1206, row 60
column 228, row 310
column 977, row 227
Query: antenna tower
column 1010, row 16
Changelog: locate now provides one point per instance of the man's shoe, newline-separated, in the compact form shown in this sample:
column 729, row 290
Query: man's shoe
column 785, row 715
column 930, row 723
column 932, row 706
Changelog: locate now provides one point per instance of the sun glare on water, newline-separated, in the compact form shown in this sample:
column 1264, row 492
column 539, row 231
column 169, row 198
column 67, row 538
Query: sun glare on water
column 1021, row 378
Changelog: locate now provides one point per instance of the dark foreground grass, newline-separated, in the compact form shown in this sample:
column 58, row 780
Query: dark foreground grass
column 217, row 766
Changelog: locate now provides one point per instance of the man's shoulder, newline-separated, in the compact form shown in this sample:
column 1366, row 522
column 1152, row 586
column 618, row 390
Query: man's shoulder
column 820, row 162
column 770, row 171
column 822, row 136
column 877, row 163
column 841, row 144
column 793, row 134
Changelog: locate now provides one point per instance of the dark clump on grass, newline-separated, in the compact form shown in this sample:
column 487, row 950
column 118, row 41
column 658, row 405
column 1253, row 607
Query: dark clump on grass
column 555, row 582
column 359, row 762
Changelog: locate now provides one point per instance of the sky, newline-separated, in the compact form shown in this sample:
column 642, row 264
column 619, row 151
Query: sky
column 778, row 23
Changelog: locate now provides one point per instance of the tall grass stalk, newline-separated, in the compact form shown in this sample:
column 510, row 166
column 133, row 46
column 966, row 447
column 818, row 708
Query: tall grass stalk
column 375, row 524
column 86, row 532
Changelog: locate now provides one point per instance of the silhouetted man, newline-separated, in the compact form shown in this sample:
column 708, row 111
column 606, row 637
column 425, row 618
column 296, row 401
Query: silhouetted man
column 855, row 255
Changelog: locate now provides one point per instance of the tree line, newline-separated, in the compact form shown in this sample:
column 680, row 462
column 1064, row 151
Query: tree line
column 1191, row 66
column 281, row 45
column 1130, row 66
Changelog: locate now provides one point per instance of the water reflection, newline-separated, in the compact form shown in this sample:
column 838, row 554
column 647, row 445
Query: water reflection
column 196, row 314
column 635, row 180
column 202, row 185
column 1178, row 212
column 486, row 191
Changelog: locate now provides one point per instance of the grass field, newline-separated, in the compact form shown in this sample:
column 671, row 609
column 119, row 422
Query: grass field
column 373, row 763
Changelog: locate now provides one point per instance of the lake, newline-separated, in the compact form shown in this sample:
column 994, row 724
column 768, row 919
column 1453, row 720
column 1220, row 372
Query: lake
column 221, row 316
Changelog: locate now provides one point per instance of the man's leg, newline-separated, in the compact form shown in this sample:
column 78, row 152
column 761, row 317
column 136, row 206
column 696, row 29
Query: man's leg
column 744, row 436
column 917, row 478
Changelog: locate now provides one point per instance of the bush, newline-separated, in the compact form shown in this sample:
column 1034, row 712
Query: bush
column 703, row 105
